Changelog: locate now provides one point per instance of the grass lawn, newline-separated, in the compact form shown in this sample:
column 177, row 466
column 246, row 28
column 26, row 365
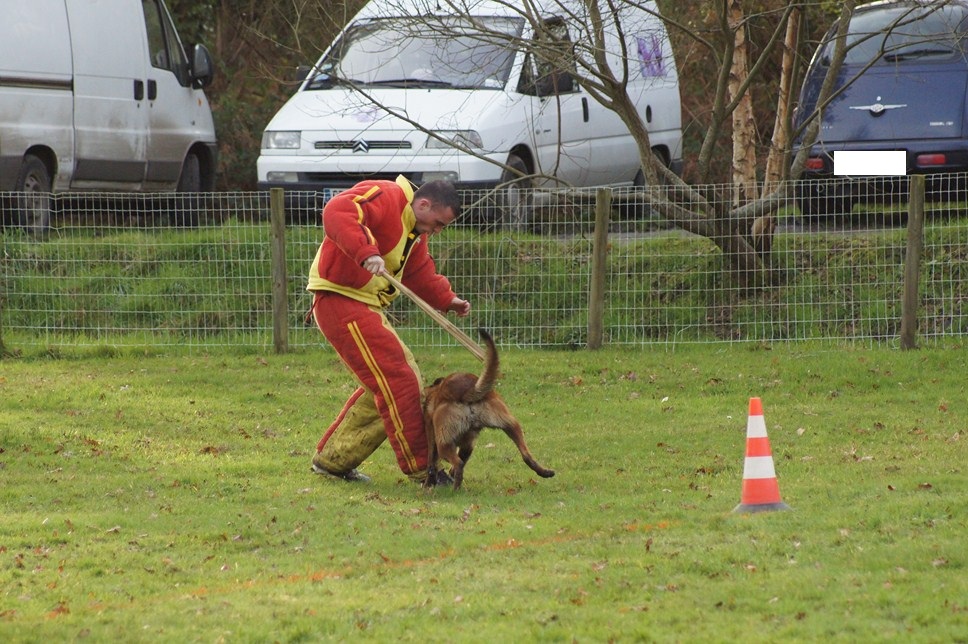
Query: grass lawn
column 168, row 498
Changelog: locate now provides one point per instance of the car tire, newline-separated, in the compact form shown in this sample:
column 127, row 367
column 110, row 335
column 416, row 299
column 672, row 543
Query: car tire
column 819, row 199
column 187, row 205
column 515, row 194
column 32, row 206
column 636, row 210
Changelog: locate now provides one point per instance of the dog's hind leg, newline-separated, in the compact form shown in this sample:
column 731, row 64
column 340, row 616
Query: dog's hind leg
column 449, row 453
column 513, row 429
column 466, row 447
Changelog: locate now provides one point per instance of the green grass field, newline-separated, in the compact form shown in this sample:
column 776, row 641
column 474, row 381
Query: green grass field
column 150, row 498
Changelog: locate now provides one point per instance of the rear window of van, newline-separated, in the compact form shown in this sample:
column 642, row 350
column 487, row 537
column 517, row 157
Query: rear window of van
column 903, row 33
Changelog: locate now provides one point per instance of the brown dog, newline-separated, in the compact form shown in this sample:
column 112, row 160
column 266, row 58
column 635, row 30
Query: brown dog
column 458, row 407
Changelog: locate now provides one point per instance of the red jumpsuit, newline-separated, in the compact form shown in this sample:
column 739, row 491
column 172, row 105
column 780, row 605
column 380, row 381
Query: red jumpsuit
column 373, row 218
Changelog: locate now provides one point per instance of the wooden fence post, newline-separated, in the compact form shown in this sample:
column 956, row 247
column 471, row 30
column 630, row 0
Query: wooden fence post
column 3, row 348
column 912, row 263
column 280, row 282
column 596, row 291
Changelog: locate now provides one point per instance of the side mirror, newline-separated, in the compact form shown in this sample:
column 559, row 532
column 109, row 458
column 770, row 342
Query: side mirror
column 321, row 77
column 202, row 70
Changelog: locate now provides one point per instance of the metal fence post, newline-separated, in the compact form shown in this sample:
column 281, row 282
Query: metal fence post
column 912, row 263
column 596, row 291
column 280, row 292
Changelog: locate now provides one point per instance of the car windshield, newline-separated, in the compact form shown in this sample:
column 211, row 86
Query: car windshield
column 906, row 32
column 430, row 51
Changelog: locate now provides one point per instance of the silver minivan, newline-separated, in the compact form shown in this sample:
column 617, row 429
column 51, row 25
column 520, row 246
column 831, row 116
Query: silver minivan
column 99, row 96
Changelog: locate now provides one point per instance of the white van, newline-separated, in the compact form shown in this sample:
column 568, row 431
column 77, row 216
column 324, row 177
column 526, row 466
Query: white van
column 100, row 95
column 433, row 89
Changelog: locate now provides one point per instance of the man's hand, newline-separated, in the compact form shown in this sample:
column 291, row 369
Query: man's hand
column 461, row 307
column 374, row 264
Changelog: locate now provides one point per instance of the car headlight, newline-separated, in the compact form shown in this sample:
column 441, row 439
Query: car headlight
column 455, row 138
column 281, row 140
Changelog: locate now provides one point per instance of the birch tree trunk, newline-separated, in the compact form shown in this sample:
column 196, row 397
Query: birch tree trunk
column 744, row 127
column 777, row 160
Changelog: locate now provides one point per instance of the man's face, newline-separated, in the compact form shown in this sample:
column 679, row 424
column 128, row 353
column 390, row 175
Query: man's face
column 431, row 218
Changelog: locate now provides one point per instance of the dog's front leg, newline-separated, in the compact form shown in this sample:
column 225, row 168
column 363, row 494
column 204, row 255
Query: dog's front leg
column 431, row 479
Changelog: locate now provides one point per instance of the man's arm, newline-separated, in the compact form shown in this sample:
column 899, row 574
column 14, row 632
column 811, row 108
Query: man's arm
column 345, row 223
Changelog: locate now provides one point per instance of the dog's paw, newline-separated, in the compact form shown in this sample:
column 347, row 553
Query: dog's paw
column 431, row 480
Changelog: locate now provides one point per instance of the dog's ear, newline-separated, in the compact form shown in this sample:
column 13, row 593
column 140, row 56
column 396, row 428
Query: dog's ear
column 437, row 381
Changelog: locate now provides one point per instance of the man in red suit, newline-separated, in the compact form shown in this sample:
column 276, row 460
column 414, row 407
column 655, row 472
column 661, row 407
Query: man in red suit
column 372, row 228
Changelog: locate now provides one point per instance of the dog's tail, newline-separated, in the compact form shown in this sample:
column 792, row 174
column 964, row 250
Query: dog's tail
column 485, row 382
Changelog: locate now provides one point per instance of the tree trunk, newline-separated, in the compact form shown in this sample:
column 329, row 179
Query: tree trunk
column 778, row 159
column 744, row 126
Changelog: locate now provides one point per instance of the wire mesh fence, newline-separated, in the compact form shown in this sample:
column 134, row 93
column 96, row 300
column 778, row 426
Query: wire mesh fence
column 196, row 271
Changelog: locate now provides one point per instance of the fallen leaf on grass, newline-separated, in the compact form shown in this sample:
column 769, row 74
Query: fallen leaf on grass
column 60, row 609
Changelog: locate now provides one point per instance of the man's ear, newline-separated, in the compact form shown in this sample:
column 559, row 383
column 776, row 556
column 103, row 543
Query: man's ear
column 423, row 203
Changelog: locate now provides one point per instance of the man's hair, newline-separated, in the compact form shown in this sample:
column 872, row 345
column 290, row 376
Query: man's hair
column 440, row 193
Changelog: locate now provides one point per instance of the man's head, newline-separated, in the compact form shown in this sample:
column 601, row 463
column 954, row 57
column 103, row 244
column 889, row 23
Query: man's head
column 435, row 204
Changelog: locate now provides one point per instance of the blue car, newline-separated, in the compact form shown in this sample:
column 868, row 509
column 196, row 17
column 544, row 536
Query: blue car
column 902, row 87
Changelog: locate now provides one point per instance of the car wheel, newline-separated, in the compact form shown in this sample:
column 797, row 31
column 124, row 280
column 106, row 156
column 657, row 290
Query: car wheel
column 819, row 199
column 33, row 204
column 187, row 206
column 635, row 210
column 515, row 194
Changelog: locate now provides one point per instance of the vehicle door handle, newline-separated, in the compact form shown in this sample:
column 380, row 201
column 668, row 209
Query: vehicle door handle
column 152, row 90
column 139, row 90
column 584, row 108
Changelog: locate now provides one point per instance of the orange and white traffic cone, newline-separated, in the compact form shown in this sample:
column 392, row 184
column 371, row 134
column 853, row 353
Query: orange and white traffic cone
column 761, row 492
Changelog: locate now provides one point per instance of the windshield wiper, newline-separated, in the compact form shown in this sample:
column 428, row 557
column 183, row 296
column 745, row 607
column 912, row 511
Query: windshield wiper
column 324, row 81
column 916, row 53
column 412, row 82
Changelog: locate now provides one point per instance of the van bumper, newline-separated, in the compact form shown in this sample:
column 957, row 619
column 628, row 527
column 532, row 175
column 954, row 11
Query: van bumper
column 320, row 191
column 922, row 157
column 820, row 192
column 305, row 199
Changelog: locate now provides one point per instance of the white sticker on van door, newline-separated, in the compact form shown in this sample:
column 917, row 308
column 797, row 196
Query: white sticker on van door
column 650, row 56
